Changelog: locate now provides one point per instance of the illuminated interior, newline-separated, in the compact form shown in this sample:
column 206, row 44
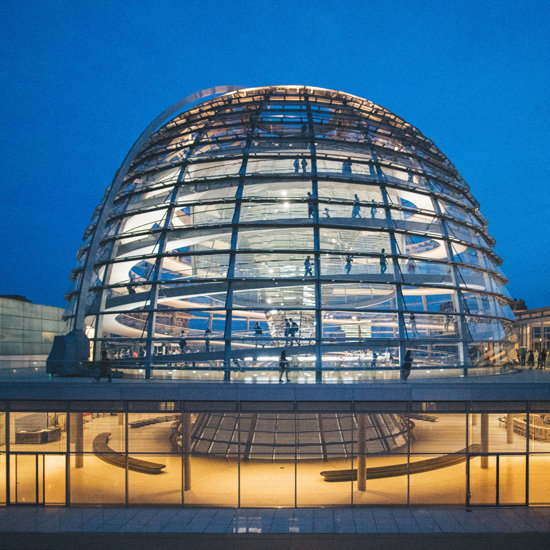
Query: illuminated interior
column 198, row 454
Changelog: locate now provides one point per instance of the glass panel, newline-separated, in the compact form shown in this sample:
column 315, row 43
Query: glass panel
column 348, row 326
column 2, row 477
column 216, row 240
column 206, row 170
column 438, row 433
column 211, row 467
column 325, row 441
column 204, row 191
column 277, row 190
column 267, row 459
column 2, row 431
column 89, row 429
column 275, row 239
column 54, row 482
column 418, row 325
column 347, row 365
column 357, row 212
column 438, row 479
column 483, row 480
column 185, row 266
column 382, row 490
column 359, row 295
column 38, row 431
column 280, row 211
column 498, row 439
column 173, row 325
column 347, row 191
column 198, row 215
column 152, row 432
column 279, row 327
column 24, row 488
column 351, row 267
column 512, row 474
column 257, row 166
column 539, row 431
column 155, row 489
column 421, row 247
column 539, row 480
column 356, row 241
column 278, row 296
column 96, row 480
column 267, row 265
column 380, row 442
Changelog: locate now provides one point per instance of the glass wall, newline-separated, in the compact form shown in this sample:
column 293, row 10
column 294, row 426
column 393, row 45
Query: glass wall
column 275, row 454
column 301, row 215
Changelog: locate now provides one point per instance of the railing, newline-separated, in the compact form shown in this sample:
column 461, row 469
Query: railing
column 263, row 369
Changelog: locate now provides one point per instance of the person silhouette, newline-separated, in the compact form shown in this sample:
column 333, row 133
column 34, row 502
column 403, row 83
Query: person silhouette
column 104, row 367
column 307, row 267
column 383, row 262
column 412, row 319
column 295, row 328
column 283, row 366
column 349, row 260
column 355, row 211
column 406, row 366
column 346, row 166
column 207, row 336
column 258, row 332
column 310, row 206
column 373, row 210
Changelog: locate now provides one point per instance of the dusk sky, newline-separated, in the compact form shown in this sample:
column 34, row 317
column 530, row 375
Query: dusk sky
column 80, row 81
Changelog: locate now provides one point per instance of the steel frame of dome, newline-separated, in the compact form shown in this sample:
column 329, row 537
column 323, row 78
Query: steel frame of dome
column 211, row 218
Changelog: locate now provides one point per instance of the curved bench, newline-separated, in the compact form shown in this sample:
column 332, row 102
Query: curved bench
column 156, row 420
column 396, row 470
column 105, row 453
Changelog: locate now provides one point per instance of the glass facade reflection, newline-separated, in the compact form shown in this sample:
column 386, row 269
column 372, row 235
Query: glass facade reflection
column 298, row 218
column 278, row 454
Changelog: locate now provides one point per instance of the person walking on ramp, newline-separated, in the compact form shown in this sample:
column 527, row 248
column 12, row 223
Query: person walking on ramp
column 406, row 367
column 283, row 366
column 307, row 268
column 104, row 367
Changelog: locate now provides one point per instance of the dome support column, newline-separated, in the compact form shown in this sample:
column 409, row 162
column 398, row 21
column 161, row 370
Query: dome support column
column 458, row 300
column 102, row 302
column 234, row 242
column 317, row 247
column 231, row 275
column 155, row 278
column 397, row 275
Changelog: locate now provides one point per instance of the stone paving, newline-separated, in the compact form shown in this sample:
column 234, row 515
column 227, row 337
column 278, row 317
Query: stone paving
column 275, row 521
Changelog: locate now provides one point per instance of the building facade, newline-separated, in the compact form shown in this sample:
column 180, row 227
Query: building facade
column 27, row 330
column 245, row 449
column 291, row 219
column 533, row 328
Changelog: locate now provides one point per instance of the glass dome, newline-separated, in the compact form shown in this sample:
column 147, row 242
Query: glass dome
column 297, row 218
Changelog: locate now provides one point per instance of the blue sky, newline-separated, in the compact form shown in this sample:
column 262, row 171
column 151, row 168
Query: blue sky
column 79, row 81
